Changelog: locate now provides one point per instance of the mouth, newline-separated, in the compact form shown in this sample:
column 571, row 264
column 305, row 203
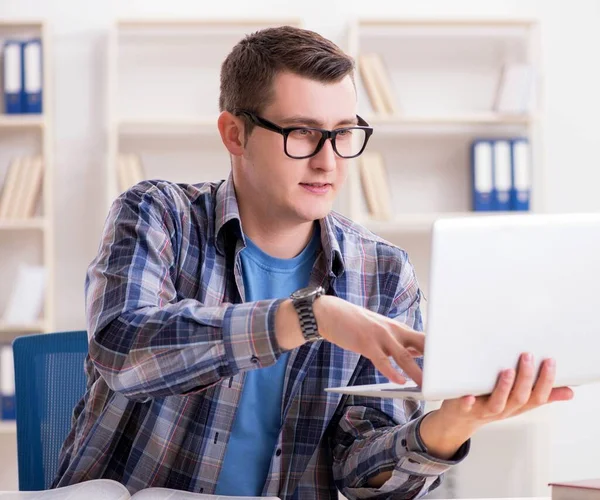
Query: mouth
column 316, row 187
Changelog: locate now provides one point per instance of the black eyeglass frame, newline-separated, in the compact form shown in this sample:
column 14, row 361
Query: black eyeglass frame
column 325, row 134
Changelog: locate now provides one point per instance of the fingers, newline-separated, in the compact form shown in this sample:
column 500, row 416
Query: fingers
column 524, row 383
column 543, row 386
column 404, row 359
column 411, row 339
column 561, row 394
column 497, row 401
column 383, row 364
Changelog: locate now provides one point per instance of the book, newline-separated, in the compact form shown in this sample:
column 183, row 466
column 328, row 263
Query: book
column 108, row 489
column 32, row 82
column 382, row 77
column 368, row 185
column 12, row 77
column 28, row 205
column 370, row 81
column 15, row 210
column 27, row 297
column 375, row 185
column 586, row 489
column 516, row 89
column 7, row 199
column 129, row 171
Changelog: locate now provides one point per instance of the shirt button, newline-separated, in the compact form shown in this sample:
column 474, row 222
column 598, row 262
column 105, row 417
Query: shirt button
column 278, row 452
column 254, row 359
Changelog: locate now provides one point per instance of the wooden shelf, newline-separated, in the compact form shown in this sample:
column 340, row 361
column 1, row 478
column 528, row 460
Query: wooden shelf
column 203, row 23
column 440, row 23
column 37, row 327
column 21, row 121
column 38, row 223
column 21, row 23
column 468, row 123
column 466, row 119
column 446, row 28
column 165, row 125
column 420, row 222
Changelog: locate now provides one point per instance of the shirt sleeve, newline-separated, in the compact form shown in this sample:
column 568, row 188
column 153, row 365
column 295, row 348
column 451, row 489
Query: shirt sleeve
column 377, row 435
column 144, row 340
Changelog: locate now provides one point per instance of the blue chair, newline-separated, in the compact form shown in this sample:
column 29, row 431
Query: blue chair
column 49, row 381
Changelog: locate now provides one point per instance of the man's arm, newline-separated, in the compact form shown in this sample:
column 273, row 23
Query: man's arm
column 144, row 340
column 377, row 445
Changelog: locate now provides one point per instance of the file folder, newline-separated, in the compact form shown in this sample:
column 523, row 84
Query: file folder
column 521, row 164
column 482, row 169
column 502, row 175
column 32, row 62
column 13, row 78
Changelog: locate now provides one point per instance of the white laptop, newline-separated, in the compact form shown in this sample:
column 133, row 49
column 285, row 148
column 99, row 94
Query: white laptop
column 501, row 285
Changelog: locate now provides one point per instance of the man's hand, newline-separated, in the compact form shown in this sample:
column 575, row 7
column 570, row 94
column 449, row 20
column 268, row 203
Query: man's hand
column 443, row 431
column 359, row 330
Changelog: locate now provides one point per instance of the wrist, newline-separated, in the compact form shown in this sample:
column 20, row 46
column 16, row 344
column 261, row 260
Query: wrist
column 443, row 437
column 320, row 310
column 287, row 327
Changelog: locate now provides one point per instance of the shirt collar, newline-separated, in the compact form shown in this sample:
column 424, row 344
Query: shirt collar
column 228, row 224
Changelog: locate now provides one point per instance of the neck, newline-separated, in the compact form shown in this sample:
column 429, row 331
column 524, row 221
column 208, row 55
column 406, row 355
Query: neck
column 276, row 237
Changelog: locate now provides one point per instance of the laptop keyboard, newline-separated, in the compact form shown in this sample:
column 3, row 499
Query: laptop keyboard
column 403, row 389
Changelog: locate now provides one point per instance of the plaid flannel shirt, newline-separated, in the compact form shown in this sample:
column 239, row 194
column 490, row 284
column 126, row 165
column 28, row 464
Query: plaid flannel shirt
column 171, row 338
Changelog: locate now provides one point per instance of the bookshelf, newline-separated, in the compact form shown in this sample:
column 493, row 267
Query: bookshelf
column 28, row 239
column 443, row 77
column 163, row 88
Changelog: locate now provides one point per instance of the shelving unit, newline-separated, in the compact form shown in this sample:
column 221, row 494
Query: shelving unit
column 29, row 240
column 444, row 75
column 163, row 88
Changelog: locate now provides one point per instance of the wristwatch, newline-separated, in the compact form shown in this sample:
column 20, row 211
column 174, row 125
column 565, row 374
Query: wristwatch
column 303, row 303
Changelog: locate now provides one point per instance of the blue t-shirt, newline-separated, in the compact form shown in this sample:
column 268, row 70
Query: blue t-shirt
column 258, row 419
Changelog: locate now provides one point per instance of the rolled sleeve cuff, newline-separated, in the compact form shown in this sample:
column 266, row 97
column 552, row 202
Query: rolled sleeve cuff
column 413, row 456
column 249, row 335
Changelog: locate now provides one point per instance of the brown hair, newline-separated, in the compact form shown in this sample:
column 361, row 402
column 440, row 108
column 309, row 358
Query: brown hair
column 248, row 72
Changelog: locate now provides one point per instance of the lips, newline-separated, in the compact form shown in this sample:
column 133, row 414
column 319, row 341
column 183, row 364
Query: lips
column 316, row 187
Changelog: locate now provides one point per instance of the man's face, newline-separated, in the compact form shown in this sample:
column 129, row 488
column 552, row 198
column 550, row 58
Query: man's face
column 299, row 190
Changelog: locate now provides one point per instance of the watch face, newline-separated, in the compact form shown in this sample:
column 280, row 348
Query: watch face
column 304, row 293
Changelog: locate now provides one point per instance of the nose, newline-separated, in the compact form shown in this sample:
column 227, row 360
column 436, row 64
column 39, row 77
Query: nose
column 325, row 159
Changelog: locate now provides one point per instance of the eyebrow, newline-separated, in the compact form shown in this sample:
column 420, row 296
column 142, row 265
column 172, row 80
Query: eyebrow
column 311, row 122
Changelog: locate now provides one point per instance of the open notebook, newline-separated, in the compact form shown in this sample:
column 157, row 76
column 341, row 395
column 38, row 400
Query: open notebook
column 107, row 489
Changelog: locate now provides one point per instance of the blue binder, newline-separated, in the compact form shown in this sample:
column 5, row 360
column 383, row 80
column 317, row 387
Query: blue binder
column 33, row 76
column 521, row 174
column 502, row 175
column 13, row 78
column 482, row 175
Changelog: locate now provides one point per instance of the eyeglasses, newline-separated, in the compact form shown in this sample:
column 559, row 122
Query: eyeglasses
column 304, row 142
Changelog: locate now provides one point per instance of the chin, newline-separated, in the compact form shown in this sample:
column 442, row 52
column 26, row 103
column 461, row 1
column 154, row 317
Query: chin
column 314, row 212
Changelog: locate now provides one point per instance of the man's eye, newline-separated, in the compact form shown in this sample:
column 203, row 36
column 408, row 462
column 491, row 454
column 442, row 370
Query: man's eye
column 303, row 132
column 344, row 132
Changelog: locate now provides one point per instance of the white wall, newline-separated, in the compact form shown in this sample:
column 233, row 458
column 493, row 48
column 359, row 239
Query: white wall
column 570, row 36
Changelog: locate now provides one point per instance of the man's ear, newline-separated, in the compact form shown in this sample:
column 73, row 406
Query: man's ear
column 231, row 129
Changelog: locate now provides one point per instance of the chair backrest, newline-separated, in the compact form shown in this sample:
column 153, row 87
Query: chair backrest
column 49, row 381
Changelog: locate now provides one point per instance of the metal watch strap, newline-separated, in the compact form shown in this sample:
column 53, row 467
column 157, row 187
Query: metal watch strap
column 308, row 322
column 303, row 300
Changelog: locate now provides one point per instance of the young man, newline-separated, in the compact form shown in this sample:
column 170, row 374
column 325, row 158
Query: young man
column 203, row 375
